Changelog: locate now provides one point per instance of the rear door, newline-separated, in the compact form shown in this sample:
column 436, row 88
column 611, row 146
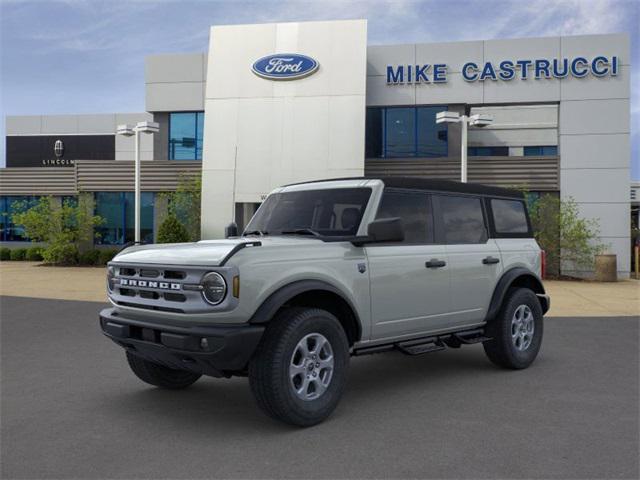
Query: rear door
column 474, row 258
column 410, row 279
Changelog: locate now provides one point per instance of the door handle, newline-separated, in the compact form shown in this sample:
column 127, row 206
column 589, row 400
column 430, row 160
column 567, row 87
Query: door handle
column 490, row 260
column 435, row 263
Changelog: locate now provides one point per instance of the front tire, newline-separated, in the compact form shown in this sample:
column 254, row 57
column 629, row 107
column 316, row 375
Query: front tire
column 299, row 370
column 160, row 376
column 516, row 332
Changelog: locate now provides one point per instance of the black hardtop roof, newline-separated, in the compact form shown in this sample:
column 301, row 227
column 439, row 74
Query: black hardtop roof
column 417, row 183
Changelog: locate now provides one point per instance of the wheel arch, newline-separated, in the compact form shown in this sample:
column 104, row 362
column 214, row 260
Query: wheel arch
column 516, row 277
column 316, row 294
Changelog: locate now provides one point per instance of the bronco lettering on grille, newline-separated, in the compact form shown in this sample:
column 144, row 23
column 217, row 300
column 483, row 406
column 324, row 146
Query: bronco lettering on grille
column 128, row 282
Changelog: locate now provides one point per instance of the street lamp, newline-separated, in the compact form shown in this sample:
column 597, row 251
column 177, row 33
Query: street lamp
column 477, row 120
column 128, row 131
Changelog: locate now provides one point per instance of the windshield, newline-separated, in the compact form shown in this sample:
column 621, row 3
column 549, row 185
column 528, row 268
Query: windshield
column 328, row 212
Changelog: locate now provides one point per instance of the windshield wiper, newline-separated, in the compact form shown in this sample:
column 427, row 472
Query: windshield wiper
column 301, row 231
column 255, row 232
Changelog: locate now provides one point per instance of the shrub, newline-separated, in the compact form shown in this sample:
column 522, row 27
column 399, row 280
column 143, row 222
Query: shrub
column 569, row 240
column 90, row 257
column 34, row 254
column 60, row 254
column 172, row 231
column 5, row 253
column 106, row 256
column 62, row 227
column 18, row 254
column 184, row 203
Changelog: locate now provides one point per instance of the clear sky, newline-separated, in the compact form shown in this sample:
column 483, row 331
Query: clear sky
column 75, row 56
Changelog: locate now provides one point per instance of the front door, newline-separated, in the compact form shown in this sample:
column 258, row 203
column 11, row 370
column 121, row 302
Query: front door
column 410, row 280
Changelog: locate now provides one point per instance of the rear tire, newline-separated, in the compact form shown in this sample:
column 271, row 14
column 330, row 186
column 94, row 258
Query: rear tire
column 160, row 376
column 299, row 370
column 516, row 332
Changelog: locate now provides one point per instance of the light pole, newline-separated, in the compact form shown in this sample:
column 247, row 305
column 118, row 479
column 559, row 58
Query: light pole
column 128, row 131
column 478, row 120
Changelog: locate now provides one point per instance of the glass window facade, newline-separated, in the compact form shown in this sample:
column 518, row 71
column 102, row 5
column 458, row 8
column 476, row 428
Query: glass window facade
column 10, row 232
column 488, row 151
column 117, row 210
column 544, row 151
column 185, row 135
column 405, row 132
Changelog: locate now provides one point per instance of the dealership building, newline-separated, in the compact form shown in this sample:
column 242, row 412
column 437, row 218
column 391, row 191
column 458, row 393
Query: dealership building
column 271, row 104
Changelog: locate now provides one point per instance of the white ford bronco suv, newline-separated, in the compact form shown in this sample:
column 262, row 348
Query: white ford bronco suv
column 327, row 270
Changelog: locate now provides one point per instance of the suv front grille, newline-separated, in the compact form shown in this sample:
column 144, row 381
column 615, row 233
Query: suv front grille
column 163, row 288
column 148, row 294
column 147, row 273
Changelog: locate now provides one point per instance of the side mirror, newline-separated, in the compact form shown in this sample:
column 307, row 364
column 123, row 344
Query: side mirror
column 383, row 230
column 386, row 230
column 231, row 230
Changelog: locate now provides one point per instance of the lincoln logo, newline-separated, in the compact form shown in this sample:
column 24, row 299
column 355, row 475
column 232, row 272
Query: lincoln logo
column 128, row 282
column 58, row 148
column 285, row 66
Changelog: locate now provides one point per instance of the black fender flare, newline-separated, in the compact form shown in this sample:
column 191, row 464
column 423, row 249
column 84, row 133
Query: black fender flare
column 277, row 299
column 508, row 278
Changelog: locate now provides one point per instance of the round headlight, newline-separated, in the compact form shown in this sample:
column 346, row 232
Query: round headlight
column 111, row 273
column 214, row 288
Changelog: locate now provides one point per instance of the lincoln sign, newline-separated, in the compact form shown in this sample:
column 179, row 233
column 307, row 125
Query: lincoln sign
column 506, row 70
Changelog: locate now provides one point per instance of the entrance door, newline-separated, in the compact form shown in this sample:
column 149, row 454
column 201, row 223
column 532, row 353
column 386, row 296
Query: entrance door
column 244, row 212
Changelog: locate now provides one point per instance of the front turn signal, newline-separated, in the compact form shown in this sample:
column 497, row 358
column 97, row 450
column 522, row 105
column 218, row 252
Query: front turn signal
column 236, row 286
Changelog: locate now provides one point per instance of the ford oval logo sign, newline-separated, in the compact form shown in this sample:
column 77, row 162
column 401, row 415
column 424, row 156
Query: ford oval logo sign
column 285, row 66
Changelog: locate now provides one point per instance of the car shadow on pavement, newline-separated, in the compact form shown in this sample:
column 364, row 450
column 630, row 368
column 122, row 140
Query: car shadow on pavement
column 228, row 405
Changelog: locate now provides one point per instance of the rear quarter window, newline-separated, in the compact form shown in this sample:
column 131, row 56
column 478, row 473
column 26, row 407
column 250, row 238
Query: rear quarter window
column 509, row 217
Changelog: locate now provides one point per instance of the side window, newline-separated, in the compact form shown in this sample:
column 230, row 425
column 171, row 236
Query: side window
column 462, row 219
column 346, row 217
column 414, row 208
column 509, row 216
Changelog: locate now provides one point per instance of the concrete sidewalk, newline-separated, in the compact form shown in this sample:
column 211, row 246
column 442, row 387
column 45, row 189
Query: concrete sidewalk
column 568, row 298
column 32, row 279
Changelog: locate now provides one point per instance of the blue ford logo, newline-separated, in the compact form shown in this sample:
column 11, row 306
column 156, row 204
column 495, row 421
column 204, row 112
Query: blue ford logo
column 284, row 66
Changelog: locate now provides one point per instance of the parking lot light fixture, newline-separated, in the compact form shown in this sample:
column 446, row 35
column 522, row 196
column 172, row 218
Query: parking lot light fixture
column 477, row 120
column 125, row 130
column 128, row 131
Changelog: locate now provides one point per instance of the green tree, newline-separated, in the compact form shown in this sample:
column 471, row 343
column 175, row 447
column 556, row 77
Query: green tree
column 62, row 227
column 567, row 238
column 172, row 231
column 184, row 203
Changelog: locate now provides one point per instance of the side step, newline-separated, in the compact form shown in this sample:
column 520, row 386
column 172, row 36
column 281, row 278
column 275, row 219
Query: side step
column 470, row 337
column 420, row 348
column 435, row 343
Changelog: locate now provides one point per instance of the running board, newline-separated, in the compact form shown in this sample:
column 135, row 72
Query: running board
column 435, row 343
column 470, row 337
column 420, row 348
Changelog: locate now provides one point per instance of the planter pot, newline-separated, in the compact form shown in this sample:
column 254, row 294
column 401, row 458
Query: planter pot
column 606, row 268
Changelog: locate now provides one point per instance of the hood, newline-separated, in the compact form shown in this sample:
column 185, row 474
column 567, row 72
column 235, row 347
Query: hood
column 205, row 252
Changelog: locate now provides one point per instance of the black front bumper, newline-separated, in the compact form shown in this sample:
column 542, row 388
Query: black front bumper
column 227, row 349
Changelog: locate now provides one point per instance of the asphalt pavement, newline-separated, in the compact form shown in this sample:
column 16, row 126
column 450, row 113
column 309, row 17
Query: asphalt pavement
column 72, row 409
